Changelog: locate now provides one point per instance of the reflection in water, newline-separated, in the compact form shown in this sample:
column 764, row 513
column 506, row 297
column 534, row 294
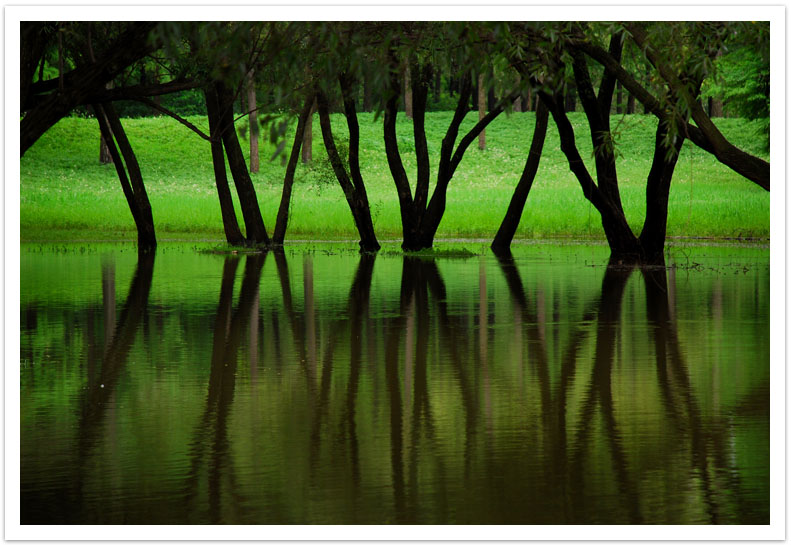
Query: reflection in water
column 412, row 398
column 212, row 430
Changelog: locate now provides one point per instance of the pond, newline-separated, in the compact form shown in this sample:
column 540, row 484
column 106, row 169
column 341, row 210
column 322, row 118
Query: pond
column 319, row 386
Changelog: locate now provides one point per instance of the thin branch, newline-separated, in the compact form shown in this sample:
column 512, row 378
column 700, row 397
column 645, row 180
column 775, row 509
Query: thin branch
column 154, row 105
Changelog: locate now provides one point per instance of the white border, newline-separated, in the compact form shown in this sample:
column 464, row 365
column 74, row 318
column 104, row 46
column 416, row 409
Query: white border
column 359, row 11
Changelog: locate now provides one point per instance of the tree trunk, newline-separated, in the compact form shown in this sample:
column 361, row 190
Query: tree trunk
column 252, row 105
column 131, row 183
column 254, row 223
column 502, row 241
column 288, row 181
column 353, row 189
column 657, row 192
column 407, row 94
column 630, row 104
column 481, row 111
column 230, row 224
column 715, row 108
column 751, row 167
column 571, row 100
column 104, row 151
column 420, row 225
column 367, row 93
column 618, row 98
column 307, row 138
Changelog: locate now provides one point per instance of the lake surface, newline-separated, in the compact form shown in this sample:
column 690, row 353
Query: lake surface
column 319, row 386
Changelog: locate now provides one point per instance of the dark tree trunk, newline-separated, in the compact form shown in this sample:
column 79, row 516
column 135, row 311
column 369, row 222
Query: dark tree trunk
column 619, row 98
column 354, row 188
column 437, row 84
column 709, row 137
column 502, row 241
column 571, row 100
column 252, row 105
column 418, row 220
column 630, row 104
column 481, row 111
column 407, row 94
column 129, row 175
column 657, row 192
column 104, row 152
column 288, row 181
column 254, row 223
column 367, row 93
column 230, row 224
column 491, row 99
column 307, row 138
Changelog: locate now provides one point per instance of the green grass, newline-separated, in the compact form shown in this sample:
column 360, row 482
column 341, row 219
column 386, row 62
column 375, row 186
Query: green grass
column 67, row 195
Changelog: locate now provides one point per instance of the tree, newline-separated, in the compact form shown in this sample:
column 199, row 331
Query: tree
column 252, row 106
column 704, row 134
column 505, row 234
column 559, row 61
column 352, row 181
column 421, row 216
column 129, row 174
column 45, row 102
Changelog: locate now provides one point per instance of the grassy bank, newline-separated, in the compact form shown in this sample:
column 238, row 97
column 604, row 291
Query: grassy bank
column 67, row 195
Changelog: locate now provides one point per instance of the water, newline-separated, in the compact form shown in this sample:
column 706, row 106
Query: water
column 318, row 386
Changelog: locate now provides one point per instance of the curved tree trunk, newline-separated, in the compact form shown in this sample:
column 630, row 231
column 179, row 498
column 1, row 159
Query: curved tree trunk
column 254, row 222
column 354, row 188
column 657, row 192
column 230, row 224
column 252, row 105
column 502, row 241
column 133, row 186
column 288, row 181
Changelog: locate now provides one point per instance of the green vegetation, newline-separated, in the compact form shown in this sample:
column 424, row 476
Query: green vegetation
column 66, row 194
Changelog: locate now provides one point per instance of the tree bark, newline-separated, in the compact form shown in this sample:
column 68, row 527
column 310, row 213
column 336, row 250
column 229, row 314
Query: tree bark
column 407, row 94
column 367, row 93
column 288, row 181
column 657, row 193
column 254, row 223
column 252, row 105
column 502, row 241
column 355, row 193
column 481, row 111
column 420, row 224
column 104, row 151
column 230, row 224
column 129, row 175
column 307, row 138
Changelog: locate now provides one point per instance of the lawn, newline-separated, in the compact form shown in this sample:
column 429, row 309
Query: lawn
column 66, row 194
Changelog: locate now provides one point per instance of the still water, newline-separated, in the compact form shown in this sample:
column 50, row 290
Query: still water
column 321, row 386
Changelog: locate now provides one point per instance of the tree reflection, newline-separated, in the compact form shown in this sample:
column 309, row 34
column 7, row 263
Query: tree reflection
column 211, row 432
